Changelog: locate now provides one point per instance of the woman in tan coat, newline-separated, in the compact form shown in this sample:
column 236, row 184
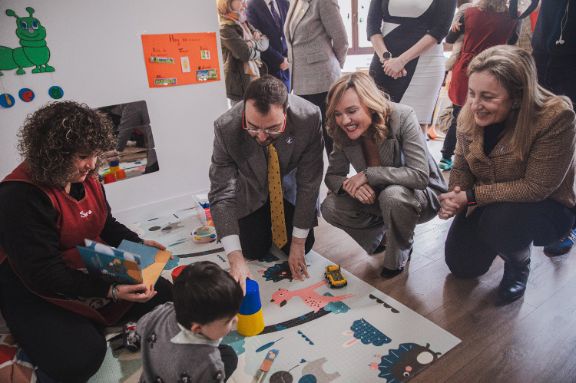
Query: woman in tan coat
column 242, row 45
column 513, row 178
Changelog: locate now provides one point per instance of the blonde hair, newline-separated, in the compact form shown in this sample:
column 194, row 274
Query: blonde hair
column 515, row 70
column 492, row 5
column 370, row 96
column 224, row 7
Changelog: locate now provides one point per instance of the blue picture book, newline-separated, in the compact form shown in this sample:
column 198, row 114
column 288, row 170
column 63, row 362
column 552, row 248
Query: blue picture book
column 130, row 263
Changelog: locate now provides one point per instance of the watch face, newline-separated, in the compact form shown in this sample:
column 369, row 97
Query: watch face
column 386, row 55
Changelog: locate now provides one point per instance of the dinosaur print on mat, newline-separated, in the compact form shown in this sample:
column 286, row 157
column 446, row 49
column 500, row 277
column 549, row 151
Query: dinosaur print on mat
column 314, row 300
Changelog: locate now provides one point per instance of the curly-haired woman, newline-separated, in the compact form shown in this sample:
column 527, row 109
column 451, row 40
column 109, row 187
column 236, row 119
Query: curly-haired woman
column 49, row 204
column 397, row 180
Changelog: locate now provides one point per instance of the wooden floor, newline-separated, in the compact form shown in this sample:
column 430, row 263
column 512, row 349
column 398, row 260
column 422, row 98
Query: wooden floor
column 530, row 340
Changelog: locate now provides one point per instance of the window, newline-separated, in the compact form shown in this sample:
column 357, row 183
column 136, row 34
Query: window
column 355, row 14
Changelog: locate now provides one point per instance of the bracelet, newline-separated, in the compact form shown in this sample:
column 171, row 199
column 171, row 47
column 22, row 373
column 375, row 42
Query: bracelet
column 114, row 293
column 471, row 197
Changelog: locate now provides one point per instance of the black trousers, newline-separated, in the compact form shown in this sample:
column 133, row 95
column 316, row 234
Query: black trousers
column 256, row 232
column 229, row 358
column 319, row 99
column 65, row 346
column 502, row 228
column 450, row 139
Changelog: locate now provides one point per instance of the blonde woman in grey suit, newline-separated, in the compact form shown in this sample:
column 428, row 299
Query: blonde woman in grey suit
column 317, row 46
column 397, row 181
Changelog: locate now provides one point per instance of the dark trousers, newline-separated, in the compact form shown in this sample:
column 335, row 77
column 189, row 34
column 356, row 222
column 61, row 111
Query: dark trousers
column 65, row 346
column 558, row 75
column 502, row 228
column 284, row 76
column 229, row 358
column 450, row 139
column 319, row 99
column 256, row 232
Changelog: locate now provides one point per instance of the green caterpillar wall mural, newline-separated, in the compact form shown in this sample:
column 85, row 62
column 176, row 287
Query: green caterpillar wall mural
column 33, row 51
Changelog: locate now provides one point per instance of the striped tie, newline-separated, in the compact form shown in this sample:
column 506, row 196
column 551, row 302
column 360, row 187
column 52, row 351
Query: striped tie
column 279, row 236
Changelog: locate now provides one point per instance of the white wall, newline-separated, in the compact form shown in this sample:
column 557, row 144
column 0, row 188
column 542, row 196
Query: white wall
column 97, row 52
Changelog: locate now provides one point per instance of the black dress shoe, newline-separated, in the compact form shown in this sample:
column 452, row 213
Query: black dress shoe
column 513, row 284
column 391, row 273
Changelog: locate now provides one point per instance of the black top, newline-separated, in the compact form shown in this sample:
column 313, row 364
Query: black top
column 435, row 21
column 492, row 135
column 556, row 18
column 29, row 235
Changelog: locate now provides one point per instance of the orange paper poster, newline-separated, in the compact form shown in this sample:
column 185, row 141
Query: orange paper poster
column 180, row 58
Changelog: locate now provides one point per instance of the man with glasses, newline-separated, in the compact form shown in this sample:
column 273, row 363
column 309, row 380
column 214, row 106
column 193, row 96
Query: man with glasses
column 265, row 176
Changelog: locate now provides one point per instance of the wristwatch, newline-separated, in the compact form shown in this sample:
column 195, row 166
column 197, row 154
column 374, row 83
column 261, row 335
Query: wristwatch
column 386, row 55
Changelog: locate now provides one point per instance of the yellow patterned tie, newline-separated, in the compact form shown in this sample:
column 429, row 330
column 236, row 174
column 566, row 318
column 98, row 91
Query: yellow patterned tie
column 279, row 236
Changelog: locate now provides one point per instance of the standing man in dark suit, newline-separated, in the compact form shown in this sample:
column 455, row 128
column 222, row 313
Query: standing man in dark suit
column 268, row 136
column 268, row 16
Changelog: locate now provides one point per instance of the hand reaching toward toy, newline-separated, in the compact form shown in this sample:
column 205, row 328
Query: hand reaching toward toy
column 296, row 259
column 238, row 268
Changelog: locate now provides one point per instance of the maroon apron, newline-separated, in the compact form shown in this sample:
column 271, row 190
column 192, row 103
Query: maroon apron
column 77, row 220
column 482, row 30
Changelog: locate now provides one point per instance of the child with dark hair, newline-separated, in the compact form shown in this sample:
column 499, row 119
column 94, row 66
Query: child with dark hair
column 180, row 340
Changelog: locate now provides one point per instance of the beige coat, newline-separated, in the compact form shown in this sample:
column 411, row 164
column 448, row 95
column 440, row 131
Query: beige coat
column 317, row 45
column 547, row 171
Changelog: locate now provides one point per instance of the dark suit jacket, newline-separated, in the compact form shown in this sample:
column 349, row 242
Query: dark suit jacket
column 260, row 17
column 239, row 171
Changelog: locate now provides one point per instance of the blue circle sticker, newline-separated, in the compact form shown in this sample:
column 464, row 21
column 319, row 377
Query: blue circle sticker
column 26, row 94
column 6, row 100
column 56, row 92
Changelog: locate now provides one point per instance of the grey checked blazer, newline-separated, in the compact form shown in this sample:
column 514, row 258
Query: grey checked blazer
column 239, row 171
column 317, row 45
column 404, row 157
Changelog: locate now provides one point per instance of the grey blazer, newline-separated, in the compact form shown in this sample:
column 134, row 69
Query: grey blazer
column 239, row 173
column 317, row 45
column 404, row 157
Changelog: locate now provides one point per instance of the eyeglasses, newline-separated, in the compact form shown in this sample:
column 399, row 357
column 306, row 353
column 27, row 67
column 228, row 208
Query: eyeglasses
column 272, row 132
column 386, row 305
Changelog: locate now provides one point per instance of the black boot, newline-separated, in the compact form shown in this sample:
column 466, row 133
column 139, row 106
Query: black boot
column 516, row 271
column 391, row 273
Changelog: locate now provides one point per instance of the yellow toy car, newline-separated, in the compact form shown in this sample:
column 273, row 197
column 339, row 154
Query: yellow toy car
column 334, row 277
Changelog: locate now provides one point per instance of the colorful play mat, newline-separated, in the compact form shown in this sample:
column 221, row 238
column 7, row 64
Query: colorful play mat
column 313, row 333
